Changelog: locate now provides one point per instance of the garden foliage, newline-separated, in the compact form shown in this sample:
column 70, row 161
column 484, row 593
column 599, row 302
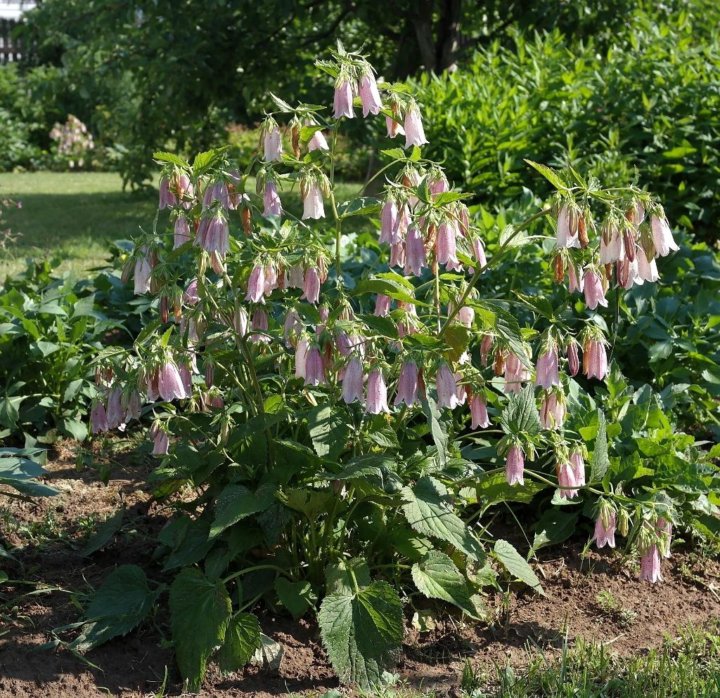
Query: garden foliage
column 337, row 409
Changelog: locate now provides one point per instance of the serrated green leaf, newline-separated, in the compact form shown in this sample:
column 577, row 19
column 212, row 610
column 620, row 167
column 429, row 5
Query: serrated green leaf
column 516, row 565
column 494, row 488
column 297, row 597
column 328, row 430
column 345, row 575
column 438, row 429
column 521, row 415
column 549, row 174
column 312, row 503
column 438, row 577
column 200, row 612
column 237, row 502
column 360, row 631
column 362, row 206
column 394, row 153
column 242, row 638
column 118, row 606
column 171, row 158
column 428, row 512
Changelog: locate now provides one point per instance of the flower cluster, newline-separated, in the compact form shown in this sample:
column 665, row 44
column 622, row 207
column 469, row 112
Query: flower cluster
column 73, row 141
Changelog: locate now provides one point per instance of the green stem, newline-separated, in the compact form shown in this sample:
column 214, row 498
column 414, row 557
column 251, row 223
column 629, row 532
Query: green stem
column 254, row 568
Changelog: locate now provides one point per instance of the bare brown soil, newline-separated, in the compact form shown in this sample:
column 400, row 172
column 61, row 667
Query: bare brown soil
column 628, row 616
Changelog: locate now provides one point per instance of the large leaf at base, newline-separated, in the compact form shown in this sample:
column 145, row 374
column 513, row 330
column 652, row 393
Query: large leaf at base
column 428, row 513
column 438, row 429
column 516, row 565
column 297, row 597
column 600, row 460
column 438, row 578
column 328, row 430
column 122, row 602
column 199, row 616
column 242, row 638
column 360, row 631
column 237, row 502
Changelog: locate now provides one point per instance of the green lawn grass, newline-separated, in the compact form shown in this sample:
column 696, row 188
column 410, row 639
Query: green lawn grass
column 74, row 216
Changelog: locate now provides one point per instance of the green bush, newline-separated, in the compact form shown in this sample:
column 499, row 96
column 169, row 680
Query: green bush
column 647, row 108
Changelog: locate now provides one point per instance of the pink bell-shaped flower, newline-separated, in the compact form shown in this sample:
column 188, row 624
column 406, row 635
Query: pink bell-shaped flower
column 407, row 384
column 515, row 466
column 478, row 412
column 256, row 285
column 369, row 94
column 594, row 291
column 343, row 100
column 650, row 570
column 547, row 373
column 414, row 132
column 182, row 232
column 415, row 258
column 662, row 235
column 311, row 286
column 272, row 205
column 376, row 393
column 314, row 367
column 446, row 387
column 313, row 202
column 352, row 387
column 318, row 142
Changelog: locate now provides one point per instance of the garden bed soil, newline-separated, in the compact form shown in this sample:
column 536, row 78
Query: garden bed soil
column 597, row 598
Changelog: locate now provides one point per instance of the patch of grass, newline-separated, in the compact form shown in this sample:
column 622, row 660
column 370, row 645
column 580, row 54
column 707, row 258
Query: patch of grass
column 74, row 216
column 71, row 215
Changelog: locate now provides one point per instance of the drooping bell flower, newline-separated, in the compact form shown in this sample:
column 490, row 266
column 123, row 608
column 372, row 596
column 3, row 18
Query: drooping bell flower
column 313, row 202
column 414, row 132
column 311, row 286
column 627, row 273
column 314, row 367
column 605, row 525
column 595, row 359
column 343, row 99
column 132, row 406
column 515, row 373
column 465, row 316
column 650, row 570
column 301, row 357
column 479, row 252
column 98, row 418
column 646, row 269
column 186, row 378
column 272, row 205
column 594, row 291
column 217, row 191
column 182, row 232
column 662, row 235
column 664, row 531
column 389, row 222
column 547, row 373
column 407, row 384
column 167, row 198
column 446, row 387
column 573, row 358
column 376, row 393
column 256, row 285
column 611, row 244
column 575, row 281
column 240, row 321
column 552, row 411
column 578, row 466
column 478, row 412
column 183, row 186
column 446, row 245
column 567, row 223
column 515, row 466
column 259, row 323
column 169, row 382
column 213, row 234
column 438, row 184
column 566, row 480
column 461, row 391
column 403, row 223
column 415, row 258
column 352, row 387
column 271, row 279
column 272, row 142
column 382, row 305
column 292, row 327
column 369, row 94
column 114, row 411
column 161, row 441
column 397, row 255
column 143, row 270
column 485, row 347
column 318, row 142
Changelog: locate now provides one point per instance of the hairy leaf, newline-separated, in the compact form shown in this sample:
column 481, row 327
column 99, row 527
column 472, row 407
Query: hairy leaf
column 237, row 502
column 328, row 430
column 600, row 460
column 516, row 565
column 242, row 638
column 438, row 577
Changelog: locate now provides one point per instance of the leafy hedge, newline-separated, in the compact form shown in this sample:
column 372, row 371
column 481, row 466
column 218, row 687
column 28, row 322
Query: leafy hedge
column 647, row 108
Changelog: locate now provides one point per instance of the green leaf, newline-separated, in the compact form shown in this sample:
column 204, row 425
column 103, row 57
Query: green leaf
column 438, row 577
column 394, row 153
column 554, row 526
column 328, row 430
column 173, row 159
column 360, row 631
column 549, row 174
column 600, row 460
column 312, row 503
column 386, row 287
column 104, row 533
column 242, row 638
column 516, row 565
column 200, row 612
column 346, row 575
column 428, row 512
column 521, row 415
column 237, row 502
column 437, row 427
column 363, row 206
column 297, row 597
column 122, row 602
column 494, row 488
